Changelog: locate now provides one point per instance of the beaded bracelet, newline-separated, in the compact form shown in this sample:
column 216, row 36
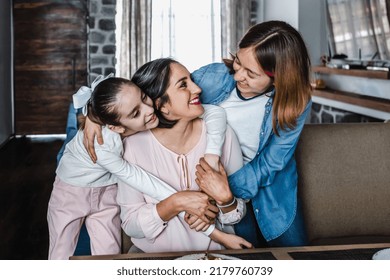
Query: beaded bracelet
column 227, row 205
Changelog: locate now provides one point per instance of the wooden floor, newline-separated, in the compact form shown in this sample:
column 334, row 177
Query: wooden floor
column 27, row 170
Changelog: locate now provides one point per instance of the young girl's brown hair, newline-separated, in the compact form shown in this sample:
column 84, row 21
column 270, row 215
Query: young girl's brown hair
column 103, row 102
column 280, row 50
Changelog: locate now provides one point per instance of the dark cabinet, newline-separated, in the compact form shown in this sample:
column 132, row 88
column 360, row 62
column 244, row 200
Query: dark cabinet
column 50, row 62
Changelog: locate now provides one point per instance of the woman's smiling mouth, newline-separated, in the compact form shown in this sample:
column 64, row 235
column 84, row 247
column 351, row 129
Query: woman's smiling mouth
column 152, row 119
column 195, row 101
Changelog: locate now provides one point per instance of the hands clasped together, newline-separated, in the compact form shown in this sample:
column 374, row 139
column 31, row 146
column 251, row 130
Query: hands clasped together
column 202, row 207
column 219, row 200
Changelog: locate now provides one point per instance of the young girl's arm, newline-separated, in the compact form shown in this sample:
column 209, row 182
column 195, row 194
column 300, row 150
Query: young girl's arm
column 215, row 119
column 142, row 218
column 109, row 156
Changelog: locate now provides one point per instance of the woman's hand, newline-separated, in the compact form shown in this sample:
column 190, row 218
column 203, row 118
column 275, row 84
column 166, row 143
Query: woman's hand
column 198, row 204
column 91, row 130
column 214, row 183
column 193, row 202
column 230, row 241
column 195, row 223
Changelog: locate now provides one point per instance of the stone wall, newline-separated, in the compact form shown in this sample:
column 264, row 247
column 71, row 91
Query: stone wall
column 101, row 37
column 326, row 114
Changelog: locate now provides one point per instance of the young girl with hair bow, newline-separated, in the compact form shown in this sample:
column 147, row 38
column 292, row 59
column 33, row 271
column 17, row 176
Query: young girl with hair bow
column 86, row 191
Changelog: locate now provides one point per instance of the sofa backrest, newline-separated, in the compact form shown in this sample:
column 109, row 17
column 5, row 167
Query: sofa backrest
column 344, row 182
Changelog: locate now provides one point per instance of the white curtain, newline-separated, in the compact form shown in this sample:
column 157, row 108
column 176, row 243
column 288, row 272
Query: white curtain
column 133, row 35
column 235, row 20
column 134, row 28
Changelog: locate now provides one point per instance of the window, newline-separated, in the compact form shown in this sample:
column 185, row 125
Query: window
column 194, row 32
column 359, row 28
column 193, row 44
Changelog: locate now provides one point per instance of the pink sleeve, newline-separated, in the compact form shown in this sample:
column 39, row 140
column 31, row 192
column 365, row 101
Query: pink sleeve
column 139, row 218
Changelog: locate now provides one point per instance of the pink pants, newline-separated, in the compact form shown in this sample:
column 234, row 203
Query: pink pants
column 70, row 206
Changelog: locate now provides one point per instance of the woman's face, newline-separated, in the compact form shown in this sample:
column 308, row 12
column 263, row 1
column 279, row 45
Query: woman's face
column 135, row 110
column 250, row 77
column 183, row 95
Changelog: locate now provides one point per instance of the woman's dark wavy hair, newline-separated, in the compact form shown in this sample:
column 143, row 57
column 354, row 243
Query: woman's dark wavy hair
column 153, row 79
column 102, row 107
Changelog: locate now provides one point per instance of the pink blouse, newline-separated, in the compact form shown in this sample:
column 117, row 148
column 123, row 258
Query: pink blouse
column 140, row 219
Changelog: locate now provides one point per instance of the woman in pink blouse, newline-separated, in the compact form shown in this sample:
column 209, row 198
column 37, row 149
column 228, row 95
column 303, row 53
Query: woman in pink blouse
column 171, row 152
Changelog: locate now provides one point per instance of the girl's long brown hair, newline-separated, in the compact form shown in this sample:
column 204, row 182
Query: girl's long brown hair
column 280, row 49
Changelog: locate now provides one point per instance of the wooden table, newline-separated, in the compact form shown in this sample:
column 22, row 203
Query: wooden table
column 332, row 252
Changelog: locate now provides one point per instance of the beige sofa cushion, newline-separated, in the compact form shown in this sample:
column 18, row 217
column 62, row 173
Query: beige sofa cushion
column 344, row 181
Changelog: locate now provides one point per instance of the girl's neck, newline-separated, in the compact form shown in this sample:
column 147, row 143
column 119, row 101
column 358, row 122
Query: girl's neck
column 127, row 133
column 181, row 138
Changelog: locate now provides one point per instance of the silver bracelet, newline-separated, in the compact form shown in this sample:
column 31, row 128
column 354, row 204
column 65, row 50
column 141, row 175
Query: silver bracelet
column 227, row 205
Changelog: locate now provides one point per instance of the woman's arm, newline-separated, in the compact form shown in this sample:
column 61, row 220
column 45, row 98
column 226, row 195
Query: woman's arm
column 109, row 157
column 145, row 218
column 192, row 202
column 215, row 183
column 141, row 219
column 230, row 241
column 261, row 171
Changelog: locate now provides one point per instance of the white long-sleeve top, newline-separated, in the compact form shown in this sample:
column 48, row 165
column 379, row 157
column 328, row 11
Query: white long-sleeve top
column 77, row 169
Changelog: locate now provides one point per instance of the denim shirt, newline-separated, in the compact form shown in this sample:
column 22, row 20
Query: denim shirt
column 270, row 179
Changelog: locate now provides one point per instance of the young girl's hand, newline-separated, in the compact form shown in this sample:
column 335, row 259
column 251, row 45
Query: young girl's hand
column 91, row 130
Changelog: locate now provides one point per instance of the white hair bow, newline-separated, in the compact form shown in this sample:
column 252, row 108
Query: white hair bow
column 83, row 95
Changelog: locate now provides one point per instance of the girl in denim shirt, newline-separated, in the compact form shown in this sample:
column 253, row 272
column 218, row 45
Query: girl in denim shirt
column 265, row 90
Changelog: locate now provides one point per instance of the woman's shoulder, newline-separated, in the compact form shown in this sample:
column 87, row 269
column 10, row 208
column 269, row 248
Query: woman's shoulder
column 216, row 82
column 138, row 139
column 215, row 66
column 210, row 70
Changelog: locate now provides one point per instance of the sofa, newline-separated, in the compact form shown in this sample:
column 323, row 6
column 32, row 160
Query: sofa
column 344, row 182
column 343, row 177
